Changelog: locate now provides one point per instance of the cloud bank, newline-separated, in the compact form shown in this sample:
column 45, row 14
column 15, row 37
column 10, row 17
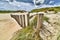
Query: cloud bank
column 27, row 5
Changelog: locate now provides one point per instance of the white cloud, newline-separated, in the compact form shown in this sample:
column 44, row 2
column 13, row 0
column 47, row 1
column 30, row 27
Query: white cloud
column 19, row 3
column 51, row 2
column 15, row 3
column 41, row 1
column 23, row 6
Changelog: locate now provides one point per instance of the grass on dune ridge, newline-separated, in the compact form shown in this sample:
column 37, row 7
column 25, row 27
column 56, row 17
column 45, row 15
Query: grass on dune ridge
column 56, row 9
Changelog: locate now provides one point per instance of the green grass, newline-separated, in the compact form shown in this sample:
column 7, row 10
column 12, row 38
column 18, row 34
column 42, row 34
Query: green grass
column 56, row 9
column 24, row 34
column 27, row 33
column 34, row 22
column 58, row 38
column 46, row 19
column 11, row 11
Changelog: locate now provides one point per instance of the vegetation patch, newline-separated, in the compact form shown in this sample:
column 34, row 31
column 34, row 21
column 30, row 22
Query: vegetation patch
column 10, row 11
column 56, row 9
column 46, row 19
column 27, row 33
column 24, row 34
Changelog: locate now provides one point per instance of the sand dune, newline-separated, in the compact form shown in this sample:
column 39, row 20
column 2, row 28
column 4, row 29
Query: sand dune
column 7, row 26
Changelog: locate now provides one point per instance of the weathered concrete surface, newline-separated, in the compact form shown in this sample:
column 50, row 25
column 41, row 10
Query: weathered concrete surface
column 53, row 26
column 7, row 26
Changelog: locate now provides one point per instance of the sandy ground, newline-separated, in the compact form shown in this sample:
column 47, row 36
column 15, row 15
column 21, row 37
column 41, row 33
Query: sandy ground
column 7, row 26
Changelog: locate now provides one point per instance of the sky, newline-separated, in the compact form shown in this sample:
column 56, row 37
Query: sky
column 27, row 5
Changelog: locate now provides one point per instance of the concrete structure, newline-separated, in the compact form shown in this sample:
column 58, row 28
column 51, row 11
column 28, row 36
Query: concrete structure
column 24, row 18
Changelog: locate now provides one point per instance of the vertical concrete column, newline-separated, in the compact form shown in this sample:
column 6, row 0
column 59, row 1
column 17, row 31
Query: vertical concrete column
column 27, row 19
column 39, row 25
column 20, row 20
column 39, row 21
column 23, row 20
column 17, row 18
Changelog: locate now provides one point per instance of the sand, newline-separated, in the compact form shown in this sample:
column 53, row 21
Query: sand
column 7, row 26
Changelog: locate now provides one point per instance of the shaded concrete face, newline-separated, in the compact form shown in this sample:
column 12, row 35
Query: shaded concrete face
column 22, row 19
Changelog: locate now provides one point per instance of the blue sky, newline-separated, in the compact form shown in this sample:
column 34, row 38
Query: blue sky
column 27, row 5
